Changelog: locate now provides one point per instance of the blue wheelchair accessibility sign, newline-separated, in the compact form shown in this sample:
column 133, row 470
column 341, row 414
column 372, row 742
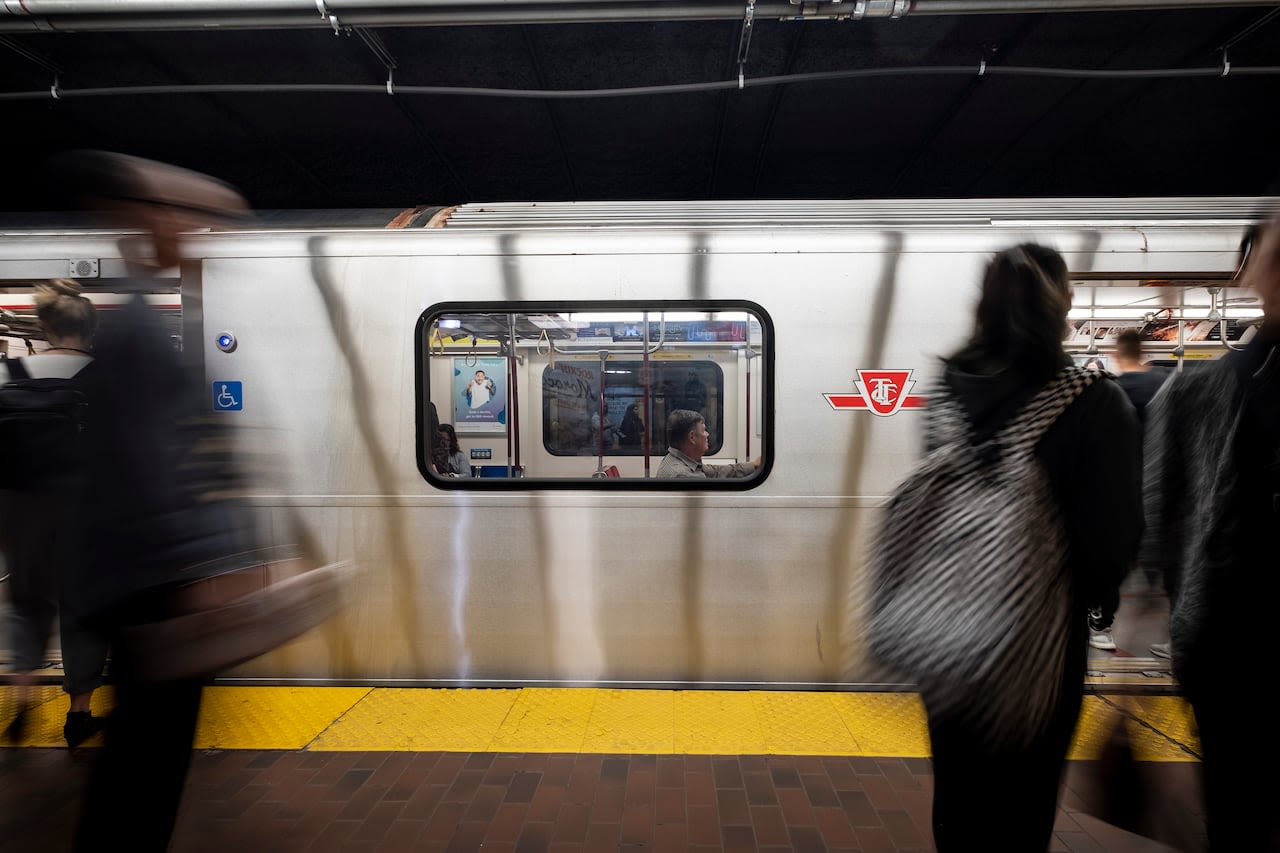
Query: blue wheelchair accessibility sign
column 228, row 396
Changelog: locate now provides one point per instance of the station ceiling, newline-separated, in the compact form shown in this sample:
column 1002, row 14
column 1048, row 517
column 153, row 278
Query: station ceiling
column 950, row 132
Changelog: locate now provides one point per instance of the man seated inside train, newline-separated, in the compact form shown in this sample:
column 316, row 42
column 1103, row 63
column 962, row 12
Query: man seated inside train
column 688, row 440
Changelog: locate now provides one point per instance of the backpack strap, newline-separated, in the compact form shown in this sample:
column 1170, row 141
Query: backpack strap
column 17, row 370
column 1025, row 430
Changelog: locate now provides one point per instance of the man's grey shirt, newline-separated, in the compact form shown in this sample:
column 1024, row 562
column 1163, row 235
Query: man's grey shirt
column 677, row 465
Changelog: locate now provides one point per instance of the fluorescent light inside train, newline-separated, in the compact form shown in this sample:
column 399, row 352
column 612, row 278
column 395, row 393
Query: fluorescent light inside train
column 587, row 319
column 1137, row 315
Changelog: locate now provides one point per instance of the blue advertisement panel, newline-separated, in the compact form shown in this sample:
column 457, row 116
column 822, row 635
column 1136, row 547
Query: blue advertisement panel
column 479, row 395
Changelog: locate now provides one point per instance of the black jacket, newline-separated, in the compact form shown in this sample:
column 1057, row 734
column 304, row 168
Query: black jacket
column 1092, row 456
column 1141, row 386
column 154, row 508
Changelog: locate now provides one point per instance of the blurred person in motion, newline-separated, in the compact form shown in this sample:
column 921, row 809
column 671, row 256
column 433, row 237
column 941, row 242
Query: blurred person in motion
column 41, row 521
column 453, row 461
column 1213, row 502
column 687, row 442
column 1140, row 382
column 149, row 512
column 1015, row 351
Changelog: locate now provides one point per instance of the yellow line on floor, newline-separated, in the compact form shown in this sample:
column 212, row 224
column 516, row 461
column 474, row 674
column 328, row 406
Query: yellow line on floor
column 574, row 720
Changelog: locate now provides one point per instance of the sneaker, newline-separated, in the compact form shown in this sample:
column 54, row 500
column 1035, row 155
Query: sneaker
column 1161, row 650
column 80, row 726
column 1102, row 640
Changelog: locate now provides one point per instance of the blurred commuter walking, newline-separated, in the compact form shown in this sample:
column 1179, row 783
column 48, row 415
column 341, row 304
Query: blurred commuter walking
column 148, row 517
column 1213, row 502
column 994, row 549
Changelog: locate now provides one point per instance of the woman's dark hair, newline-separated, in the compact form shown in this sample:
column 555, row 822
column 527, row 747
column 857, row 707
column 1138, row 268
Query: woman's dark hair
column 447, row 429
column 1021, row 316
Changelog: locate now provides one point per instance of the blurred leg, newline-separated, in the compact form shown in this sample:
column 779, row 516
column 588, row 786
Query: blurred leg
column 84, row 654
column 132, row 799
column 1240, row 784
column 991, row 801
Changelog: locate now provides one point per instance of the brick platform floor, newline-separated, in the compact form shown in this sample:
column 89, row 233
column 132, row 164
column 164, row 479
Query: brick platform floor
column 243, row 801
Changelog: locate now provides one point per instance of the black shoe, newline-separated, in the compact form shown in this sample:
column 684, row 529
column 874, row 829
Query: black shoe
column 80, row 726
column 17, row 729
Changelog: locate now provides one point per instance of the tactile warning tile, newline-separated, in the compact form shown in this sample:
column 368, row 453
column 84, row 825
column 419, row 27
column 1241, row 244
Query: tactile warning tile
column 417, row 720
column 885, row 724
column 802, row 724
column 1157, row 727
column 632, row 721
column 48, row 714
column 544, row 719
column 1156, row 735
column 270, row 717
column 715, row 722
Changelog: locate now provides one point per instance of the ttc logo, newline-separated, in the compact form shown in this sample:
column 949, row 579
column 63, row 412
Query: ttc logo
column 882, row 392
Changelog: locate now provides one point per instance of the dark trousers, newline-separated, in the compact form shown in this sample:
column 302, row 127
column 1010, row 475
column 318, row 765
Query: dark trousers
column 996, row 800
column 1239, row 761
column 40, row 541
column 132, row 799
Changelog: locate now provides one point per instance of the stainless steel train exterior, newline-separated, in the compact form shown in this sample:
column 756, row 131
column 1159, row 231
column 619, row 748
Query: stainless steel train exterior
column 588, row 580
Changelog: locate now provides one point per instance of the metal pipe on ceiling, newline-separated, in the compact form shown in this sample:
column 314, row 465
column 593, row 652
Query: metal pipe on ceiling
column 104, row 15
column 1221, row 72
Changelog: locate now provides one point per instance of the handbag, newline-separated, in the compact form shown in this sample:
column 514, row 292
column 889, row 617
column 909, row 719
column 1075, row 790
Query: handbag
column 233, row 609
column 970, row 596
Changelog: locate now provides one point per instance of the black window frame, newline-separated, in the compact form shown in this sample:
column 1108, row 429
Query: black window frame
column 764, row 362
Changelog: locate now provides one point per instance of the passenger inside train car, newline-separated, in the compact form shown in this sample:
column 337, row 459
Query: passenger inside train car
column 687, row 443
column 451, row 462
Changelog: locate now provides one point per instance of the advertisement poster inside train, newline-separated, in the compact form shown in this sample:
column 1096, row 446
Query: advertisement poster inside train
column 479, row 395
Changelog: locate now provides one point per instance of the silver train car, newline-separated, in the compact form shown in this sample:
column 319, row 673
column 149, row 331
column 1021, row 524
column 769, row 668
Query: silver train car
column 808, row 333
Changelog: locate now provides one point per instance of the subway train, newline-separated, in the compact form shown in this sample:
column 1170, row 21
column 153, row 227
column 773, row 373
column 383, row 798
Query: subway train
column 556, row 339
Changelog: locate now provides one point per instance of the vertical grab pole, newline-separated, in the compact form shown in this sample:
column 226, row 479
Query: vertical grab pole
column 513, row 405
column 748, row 417
column 644, row 391
column 604, row 356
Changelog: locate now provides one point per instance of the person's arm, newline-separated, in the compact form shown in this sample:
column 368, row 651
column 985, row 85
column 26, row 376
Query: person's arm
column 737, row 469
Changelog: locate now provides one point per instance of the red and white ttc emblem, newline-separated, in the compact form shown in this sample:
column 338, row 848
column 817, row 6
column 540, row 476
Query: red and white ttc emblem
column 881, row 392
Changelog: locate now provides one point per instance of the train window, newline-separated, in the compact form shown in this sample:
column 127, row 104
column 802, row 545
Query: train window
column 580, row 394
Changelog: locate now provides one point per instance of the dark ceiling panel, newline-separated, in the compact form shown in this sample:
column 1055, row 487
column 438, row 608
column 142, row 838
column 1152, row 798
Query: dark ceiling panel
column 890, row 136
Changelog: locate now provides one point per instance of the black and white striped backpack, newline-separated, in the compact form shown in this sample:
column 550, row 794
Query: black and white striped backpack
column 970, row 596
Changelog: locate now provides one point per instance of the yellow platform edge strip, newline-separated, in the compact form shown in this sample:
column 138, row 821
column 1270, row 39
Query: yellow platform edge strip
column 607, row 721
